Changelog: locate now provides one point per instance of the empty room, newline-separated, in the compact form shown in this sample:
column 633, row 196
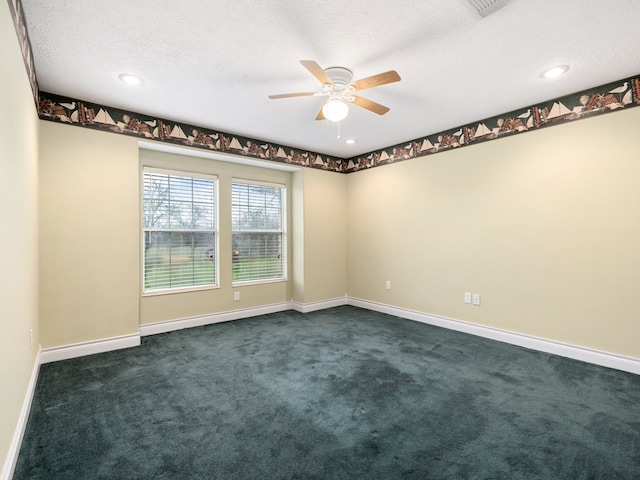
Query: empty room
column 320, row 240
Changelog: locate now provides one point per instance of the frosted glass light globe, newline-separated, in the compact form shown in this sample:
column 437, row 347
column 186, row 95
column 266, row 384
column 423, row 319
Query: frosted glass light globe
column 335, row 110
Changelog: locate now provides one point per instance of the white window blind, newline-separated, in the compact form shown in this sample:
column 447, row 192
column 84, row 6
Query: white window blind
column 179, row 230
column 258, row 231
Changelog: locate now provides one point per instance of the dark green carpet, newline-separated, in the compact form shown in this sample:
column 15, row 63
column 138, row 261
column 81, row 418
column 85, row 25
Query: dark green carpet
column 343, row 393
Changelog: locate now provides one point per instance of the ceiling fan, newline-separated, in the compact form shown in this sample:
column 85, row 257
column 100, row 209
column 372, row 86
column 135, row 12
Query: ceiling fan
column 337, row 85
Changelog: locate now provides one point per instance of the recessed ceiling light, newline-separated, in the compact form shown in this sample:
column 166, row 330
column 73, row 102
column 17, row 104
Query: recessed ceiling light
column 555, row 72
column 130, row 79
column 350, row 141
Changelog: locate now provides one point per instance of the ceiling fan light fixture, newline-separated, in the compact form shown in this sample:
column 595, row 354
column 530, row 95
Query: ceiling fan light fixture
column 335, row 110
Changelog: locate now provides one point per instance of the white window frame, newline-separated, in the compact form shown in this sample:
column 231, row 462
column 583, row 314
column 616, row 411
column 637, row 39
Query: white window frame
column 282, row 231
column 215, row 231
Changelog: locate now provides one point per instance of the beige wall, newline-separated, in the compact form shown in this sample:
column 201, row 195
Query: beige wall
column 90, row 247
column 89, row 238
column 159, row 308
column 18, row 233
column 543, row 225
column 322, row 261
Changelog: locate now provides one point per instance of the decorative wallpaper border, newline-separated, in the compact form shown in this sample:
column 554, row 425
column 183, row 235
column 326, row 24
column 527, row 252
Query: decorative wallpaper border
column 99, row 117
column 20, row 23
column 606, row 98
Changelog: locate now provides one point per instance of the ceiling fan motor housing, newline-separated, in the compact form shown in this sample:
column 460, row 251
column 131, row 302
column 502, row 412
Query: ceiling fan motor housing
column 340, row 76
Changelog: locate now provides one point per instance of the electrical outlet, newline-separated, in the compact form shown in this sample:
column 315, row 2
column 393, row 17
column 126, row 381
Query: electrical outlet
column 467, row 297
column 236, row 296
column 388, row 284
column 476, row 299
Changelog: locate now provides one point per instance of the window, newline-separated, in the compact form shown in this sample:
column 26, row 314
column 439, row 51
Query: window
column 258, row 220
column 180, row 236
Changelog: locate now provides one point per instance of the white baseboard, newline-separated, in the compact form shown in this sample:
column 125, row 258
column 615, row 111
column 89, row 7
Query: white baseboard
column 18, row 433
column 89, row 348
column 190, row 322
column 321, row 305
column 597, row 357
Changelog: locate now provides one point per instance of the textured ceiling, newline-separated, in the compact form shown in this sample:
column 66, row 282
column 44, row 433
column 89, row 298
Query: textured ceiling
column 213, row 63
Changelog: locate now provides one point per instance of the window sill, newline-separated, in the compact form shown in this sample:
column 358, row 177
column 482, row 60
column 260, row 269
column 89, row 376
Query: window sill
column 258, row 282
column 173, row 291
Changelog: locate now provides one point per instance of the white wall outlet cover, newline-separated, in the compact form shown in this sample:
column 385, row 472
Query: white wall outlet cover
column 476, row 299
column 467, row 297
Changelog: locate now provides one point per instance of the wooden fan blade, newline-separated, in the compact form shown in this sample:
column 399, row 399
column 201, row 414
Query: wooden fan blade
column 317, row 71
column 377, row 80
column 370, row 105
column 287, row 95
column 320, row 114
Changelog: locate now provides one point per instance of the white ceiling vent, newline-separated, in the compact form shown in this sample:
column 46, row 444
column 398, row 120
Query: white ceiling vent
column 487, row 7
